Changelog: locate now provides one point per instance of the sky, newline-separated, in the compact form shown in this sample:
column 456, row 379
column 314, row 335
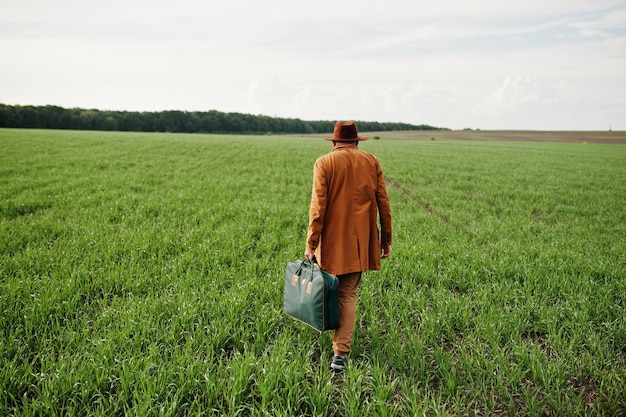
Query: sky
column 484, row 64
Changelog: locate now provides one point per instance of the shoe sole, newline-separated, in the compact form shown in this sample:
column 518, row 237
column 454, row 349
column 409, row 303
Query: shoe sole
column 337, row 368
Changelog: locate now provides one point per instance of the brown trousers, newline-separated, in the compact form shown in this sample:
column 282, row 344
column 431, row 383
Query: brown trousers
column 348, row 288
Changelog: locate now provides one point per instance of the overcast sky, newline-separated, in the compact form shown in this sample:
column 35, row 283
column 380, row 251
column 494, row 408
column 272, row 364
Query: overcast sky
column 487, row 64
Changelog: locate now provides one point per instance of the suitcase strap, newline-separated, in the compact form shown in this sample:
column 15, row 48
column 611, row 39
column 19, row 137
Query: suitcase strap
column 310, row 264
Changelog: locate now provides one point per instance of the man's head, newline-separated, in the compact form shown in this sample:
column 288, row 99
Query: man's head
column 346, row 132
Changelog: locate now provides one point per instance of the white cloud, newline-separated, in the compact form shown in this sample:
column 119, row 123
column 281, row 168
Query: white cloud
column 523, row 102
column 515, row 92
column 269, row 95
column 604, row 26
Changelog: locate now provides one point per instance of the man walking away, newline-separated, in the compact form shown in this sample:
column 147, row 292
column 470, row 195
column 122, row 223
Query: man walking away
column 348, row 195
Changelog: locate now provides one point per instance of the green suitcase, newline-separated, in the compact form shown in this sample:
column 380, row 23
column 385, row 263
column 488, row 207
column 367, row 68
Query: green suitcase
column 311, row 295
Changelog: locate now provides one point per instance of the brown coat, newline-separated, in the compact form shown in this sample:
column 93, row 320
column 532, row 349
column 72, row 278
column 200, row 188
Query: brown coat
column 348, row 192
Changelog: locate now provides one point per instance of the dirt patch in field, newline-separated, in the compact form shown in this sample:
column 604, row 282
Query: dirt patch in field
column 615, row 137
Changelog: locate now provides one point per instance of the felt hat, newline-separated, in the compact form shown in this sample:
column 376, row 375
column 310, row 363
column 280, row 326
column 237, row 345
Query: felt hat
column 346, row 132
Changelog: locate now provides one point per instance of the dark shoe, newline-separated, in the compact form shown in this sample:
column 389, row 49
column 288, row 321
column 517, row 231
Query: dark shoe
column 338, row 364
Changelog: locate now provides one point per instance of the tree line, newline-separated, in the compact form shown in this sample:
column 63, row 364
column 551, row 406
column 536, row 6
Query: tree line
column 175, row 121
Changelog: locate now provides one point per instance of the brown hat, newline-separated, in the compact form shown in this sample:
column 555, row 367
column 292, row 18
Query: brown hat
column 346, row 132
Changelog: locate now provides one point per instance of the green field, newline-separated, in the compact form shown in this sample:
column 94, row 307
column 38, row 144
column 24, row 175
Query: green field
column 141, row 274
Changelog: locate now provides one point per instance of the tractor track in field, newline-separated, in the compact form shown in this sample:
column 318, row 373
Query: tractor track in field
column 408, row 195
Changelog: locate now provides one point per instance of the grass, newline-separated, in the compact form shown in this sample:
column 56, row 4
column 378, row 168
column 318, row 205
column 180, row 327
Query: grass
column 141, row 274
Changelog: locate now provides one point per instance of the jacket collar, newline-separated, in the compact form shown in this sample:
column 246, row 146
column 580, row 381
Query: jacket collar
column 344, row 145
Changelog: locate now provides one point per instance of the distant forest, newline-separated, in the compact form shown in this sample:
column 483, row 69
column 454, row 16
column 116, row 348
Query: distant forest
column 54, row 117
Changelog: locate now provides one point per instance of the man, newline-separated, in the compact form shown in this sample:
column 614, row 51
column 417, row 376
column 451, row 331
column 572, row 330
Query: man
column 348, row 193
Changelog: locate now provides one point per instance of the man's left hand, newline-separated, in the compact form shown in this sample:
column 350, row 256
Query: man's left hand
column 386, row 252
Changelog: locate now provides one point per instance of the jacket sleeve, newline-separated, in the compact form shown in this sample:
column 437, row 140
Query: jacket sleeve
column 384, row 208
column 319, row 198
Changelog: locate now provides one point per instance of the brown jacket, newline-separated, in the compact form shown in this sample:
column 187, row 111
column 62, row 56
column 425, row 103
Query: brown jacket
column 348, row 192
